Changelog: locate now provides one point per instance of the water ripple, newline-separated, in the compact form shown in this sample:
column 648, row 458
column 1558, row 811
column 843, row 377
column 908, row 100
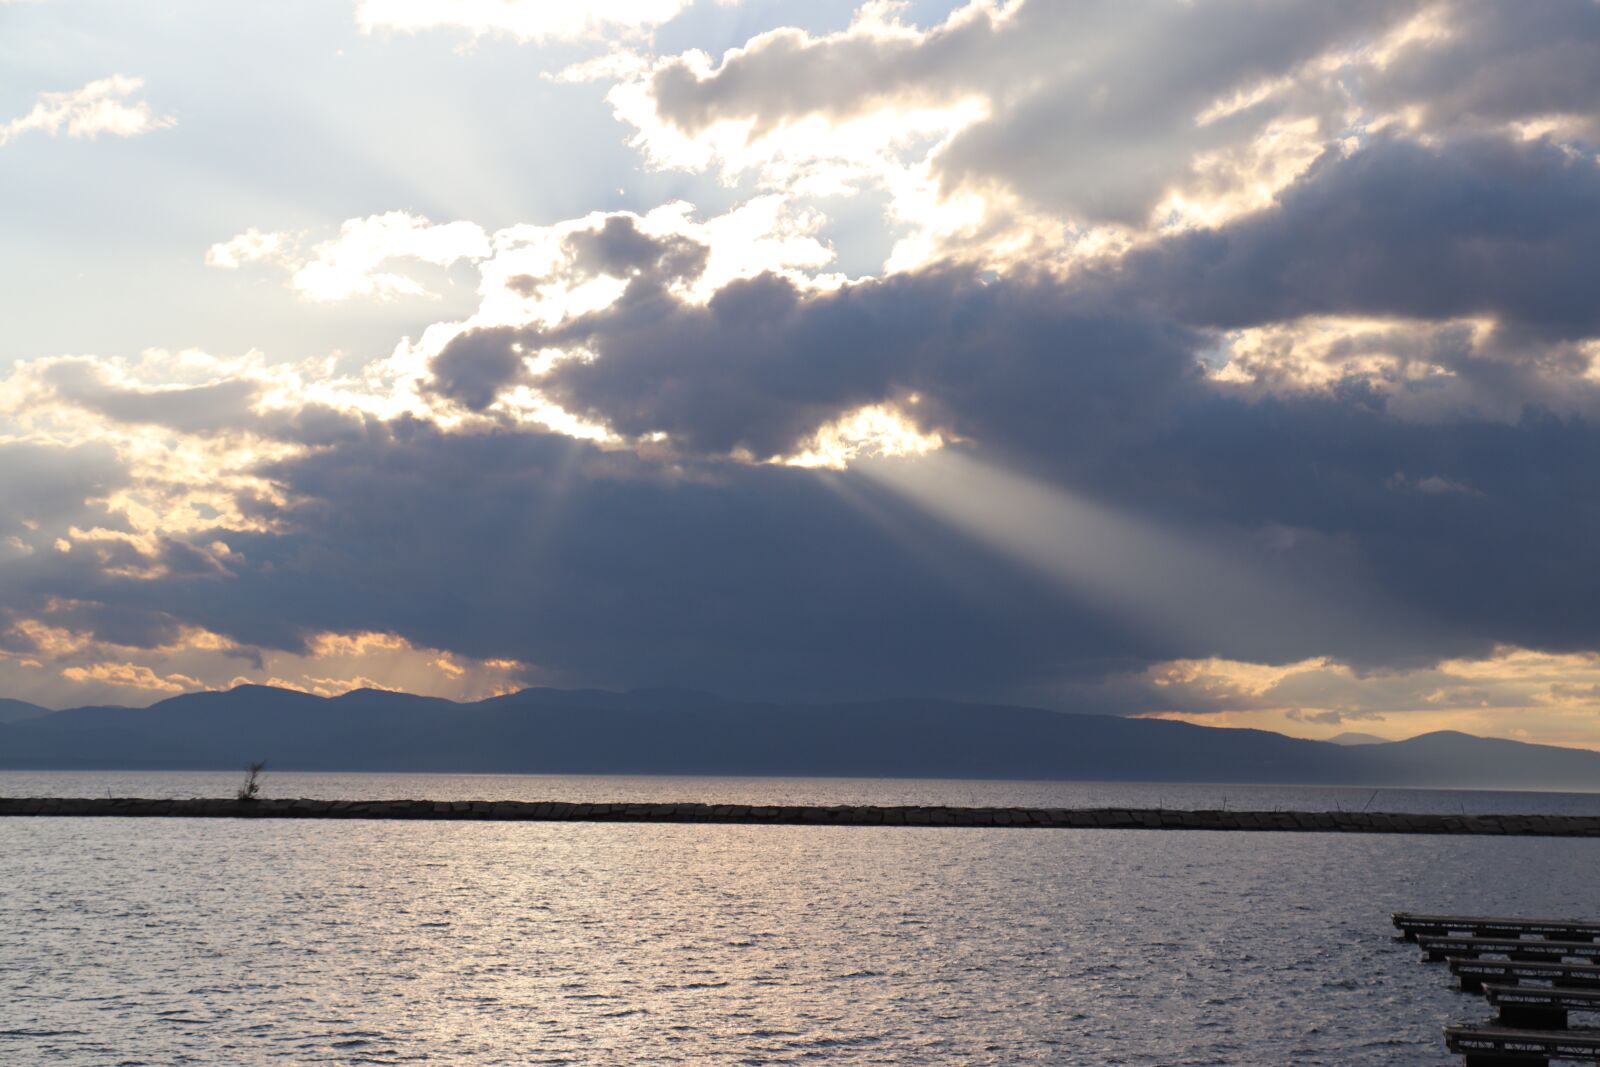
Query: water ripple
column 490, row 943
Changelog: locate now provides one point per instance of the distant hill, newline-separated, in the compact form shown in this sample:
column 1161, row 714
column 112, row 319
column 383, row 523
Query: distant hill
column 677, row 732
column 17, row 710
column 1351, row 737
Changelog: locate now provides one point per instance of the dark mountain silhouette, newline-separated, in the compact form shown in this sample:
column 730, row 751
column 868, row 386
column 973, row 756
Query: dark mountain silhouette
column 17, row 710
column 680, row 732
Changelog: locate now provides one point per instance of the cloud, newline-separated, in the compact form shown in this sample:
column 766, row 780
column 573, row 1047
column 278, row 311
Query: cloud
column 734, row 571
column 1508, row 692
column 550, row 275
column 1477, row 227
column 48, row 489
column 1038, row 131
column 667, row 552
column 100, row 107
column 523, row 20
column 621, row 249
column 1450, row 277
column 1485, row 66
column 764, row 365
column 352, row 264
column 1445, row 278
column 130, row 676
column 1230, row 359
column 75, row 653
column 1002, row 121
column 217, row 406
column 251, row 246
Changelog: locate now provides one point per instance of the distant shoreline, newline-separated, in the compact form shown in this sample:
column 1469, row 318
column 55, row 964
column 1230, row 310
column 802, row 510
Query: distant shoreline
column 798, row 815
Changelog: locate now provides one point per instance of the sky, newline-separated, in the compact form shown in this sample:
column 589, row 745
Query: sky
column 1226, row 360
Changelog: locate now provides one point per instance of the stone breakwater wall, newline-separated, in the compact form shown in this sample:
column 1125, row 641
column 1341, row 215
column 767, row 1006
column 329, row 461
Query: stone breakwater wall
column 795, row 815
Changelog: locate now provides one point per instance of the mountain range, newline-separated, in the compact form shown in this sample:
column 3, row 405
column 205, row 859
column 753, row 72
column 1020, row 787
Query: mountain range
column 554, row 731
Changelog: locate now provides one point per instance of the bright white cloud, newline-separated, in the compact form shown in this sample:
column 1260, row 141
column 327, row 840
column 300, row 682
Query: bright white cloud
column 251, row 246
column 101, row 107
column 525, row 20
column 351, row 264
column 875, row 431
column 355, row 263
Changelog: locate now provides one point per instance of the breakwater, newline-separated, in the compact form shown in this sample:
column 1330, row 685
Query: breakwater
column 1355, row 822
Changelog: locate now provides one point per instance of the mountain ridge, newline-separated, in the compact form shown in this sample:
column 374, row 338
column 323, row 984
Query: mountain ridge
column 662, row 731
column 19, row 710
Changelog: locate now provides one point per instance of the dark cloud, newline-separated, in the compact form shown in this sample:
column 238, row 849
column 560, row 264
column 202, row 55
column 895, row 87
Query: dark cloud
column 603, row 568
column 475, row 366
column 222, row 407
column 1498, row 63
column 48, row 488
column 1482, row 226
column 118, row 624
column 606, row 569
column 761, row 366
column 1445, row 515
column 48, row 491
column 1479, row 228
column 1094, row 383
column 1111, row 130
column 620, row 249
column 613, row 568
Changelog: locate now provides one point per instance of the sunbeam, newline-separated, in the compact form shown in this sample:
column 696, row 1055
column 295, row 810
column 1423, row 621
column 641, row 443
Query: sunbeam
column 1150, row 579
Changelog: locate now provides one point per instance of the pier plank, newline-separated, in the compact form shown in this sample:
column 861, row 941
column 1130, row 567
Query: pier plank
column 1413, row 924
column 1474, row 973
column 1439, row 949
column 1498, row 1046
column 1531, row 1007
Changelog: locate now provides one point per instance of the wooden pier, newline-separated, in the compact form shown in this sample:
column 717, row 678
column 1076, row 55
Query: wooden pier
column 1531, row 1028
column 1474, row 974
column 1412, row 925
column 1494, row 1046
column 1439, row 949
column 1539, row 1007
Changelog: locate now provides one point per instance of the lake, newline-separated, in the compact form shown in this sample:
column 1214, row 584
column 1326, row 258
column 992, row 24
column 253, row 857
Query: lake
column 161, row 942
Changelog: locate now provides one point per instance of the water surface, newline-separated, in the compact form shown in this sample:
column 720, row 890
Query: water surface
column 219, row 941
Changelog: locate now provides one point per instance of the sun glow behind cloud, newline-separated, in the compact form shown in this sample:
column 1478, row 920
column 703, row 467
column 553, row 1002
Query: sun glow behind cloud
column 873, row 432
column 1552, row 698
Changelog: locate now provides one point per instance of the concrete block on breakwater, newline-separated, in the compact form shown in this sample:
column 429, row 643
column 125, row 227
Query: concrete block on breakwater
column 797, row 815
